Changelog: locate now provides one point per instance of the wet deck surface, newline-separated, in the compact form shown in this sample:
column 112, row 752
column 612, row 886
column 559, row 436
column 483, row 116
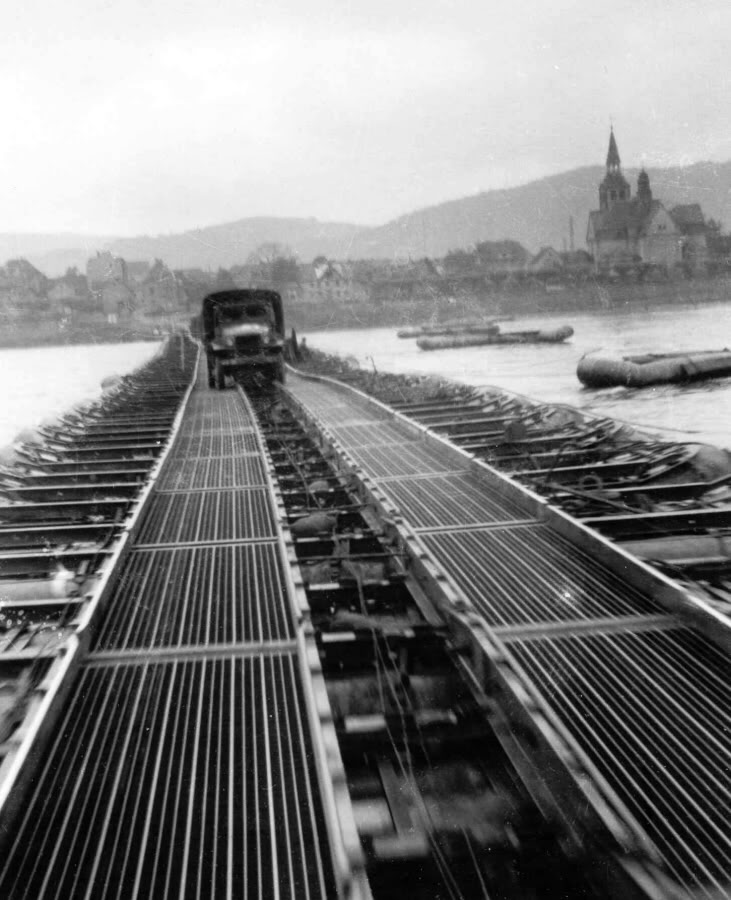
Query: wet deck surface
column 183, row 765
column 648, row 707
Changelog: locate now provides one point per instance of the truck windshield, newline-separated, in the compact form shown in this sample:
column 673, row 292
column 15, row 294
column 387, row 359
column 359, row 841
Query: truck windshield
column 252, row 313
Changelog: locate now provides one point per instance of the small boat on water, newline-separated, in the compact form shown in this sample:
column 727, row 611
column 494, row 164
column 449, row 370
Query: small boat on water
column 451, row 326
column 494, row 337
column 653, row 368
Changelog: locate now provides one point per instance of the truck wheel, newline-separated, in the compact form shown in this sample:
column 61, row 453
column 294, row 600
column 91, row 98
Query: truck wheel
column 220, row 377
column 211, row 376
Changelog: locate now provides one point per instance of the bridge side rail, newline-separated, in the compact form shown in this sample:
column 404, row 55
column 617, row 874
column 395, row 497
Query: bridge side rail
column 563, row 780
column 345, row 844
column 27, row 743
column 695, row 611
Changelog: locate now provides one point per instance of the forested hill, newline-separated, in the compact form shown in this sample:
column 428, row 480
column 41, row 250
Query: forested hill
column 538, row 214
column 535, row 214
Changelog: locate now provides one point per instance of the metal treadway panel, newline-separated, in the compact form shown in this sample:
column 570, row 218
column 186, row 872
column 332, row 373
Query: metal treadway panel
column 652, row 711
column 413, row 458
column 328, row 401
column 373, row 432
column 218, row 472
column 198, row 443
column 217, row 411
column 198, row 595
column 528, row 574
column 182, row 762
column 181, row 518
column 180, row 779
column 457, row 499
column 648, row 708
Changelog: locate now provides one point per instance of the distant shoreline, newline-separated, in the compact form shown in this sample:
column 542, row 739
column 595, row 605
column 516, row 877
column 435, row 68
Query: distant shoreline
column 520, row 303
column 593, row 297
column 24, row 336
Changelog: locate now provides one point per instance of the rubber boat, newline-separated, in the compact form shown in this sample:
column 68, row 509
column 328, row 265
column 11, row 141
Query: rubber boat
column 451, row 326
column 653, row 368
column 493, row 336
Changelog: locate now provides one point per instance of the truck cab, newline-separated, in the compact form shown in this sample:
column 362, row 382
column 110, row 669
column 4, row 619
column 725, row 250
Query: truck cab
column 243, row 332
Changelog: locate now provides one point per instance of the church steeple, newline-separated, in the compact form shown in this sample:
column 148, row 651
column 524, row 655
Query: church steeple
column 644, row 194
column 614, row 188
column 613, row 160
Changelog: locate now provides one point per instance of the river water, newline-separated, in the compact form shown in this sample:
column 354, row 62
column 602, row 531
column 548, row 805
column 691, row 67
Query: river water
column 699, row 412
column 39, row 383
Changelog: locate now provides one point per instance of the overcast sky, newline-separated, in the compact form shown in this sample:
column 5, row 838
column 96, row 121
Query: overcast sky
column 157, row 116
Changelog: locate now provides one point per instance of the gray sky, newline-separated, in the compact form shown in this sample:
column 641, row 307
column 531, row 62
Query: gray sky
column 127, row 118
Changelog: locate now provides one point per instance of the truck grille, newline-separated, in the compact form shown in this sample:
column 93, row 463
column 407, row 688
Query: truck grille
column 248, row 344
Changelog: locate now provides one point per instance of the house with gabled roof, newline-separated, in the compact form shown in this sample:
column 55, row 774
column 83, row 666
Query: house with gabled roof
column 501, row 258
column 577, row 263
column 105, row 268
column 693, row 227
column 138, row 270
column 545, row 263
column 117, row 301
column 330, row 281
column 160, row 291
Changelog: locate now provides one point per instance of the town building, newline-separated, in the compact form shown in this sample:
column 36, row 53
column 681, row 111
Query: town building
column 692, row 225
column 69, row 294
column 137, row 271
column 160, row 292
column 108, row 282
column 546, row 263
column 22, row 289
column 117, row 301
column 105, row 268
column 635, row 234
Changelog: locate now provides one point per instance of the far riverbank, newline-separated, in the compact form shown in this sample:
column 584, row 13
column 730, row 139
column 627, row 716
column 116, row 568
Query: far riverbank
column 424, row 304
column 26, row 334
column 420, row 303
column 699, row 411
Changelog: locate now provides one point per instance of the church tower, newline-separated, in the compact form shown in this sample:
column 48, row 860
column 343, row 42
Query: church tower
column 614, row 186
column 644, row 194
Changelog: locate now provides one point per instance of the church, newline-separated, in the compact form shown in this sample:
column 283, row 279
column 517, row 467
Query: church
column 629, row 232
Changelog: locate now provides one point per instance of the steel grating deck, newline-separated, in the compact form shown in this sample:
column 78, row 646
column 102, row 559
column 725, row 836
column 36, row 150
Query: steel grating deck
column 527, row 574
column 184, row 765
column 654, row 706
column 399, row 460
column 180, row 779
column 207, row 411
column 370, row 432
column 212, row 443
column 436, row 501
column 203, row 596
column 217, row 472
column 644, row 698
column 208, row 516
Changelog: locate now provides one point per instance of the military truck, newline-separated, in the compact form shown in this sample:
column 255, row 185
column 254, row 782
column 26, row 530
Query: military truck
column 243, row 334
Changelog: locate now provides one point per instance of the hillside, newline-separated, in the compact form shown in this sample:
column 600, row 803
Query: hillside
column 536, row 214
column 231, row 244
column 52, row 253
